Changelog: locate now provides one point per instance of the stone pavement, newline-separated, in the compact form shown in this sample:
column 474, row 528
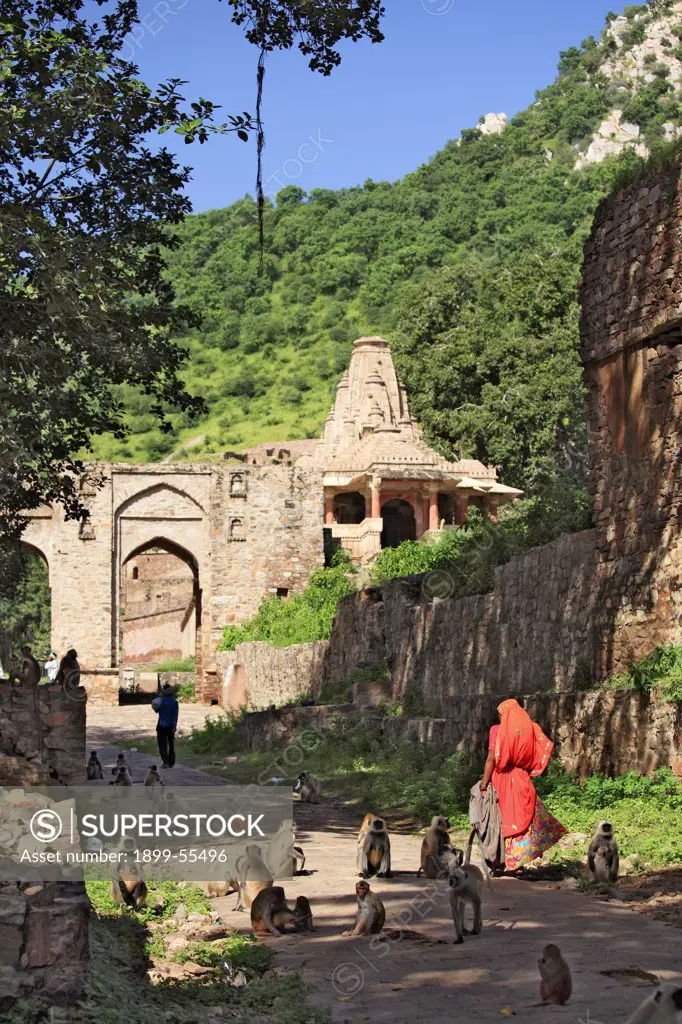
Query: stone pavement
column 491, row 976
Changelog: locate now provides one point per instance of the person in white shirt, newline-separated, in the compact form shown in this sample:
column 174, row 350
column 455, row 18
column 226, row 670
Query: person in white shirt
column 52, row 667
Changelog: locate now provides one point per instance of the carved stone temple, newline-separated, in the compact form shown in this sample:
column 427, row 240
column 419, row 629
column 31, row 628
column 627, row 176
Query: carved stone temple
column 173, row 552
column 382, row 483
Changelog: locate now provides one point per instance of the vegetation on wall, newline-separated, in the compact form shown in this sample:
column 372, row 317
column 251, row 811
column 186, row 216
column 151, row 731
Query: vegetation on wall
column 469, row 266
column 660, row 673
column 25, row 609
column 301, row 618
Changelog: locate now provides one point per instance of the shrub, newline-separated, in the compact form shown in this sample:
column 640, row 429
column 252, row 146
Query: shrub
column 659, row 672
column 302, row 618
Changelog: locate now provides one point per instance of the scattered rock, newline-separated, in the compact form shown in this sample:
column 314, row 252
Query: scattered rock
column 493, row 124
column 180, row 912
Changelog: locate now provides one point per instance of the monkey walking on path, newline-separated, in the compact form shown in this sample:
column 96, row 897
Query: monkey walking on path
column 122, row 777
column 556, row 985
column 371, row 915
column 466, row 884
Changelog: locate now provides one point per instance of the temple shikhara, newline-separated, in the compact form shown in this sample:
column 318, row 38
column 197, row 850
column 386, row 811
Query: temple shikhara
column 382, row 484
column 173, row 552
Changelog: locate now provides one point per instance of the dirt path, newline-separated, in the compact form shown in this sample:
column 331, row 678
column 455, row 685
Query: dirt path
column 112, row 729
column 490, row 977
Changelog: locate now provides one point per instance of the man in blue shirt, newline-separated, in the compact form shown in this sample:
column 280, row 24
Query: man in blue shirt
column 167, row 708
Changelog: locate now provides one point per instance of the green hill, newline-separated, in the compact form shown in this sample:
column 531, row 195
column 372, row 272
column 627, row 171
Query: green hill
column 468, row 266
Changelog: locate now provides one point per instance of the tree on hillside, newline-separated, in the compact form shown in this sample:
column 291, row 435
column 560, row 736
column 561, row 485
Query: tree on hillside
column 85, row 208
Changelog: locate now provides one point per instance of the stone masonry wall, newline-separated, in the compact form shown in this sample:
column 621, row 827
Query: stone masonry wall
column 257, row 675
column 44, row 949
column 632, row 349
column 598, row 731
column 244, row 532
column 42, row 730
column 533, row 632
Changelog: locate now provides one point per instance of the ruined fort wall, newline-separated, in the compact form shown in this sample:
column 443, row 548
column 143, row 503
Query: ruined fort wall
column 632, row 350
column 43, row 927
column 533, row 632
column 245, row 532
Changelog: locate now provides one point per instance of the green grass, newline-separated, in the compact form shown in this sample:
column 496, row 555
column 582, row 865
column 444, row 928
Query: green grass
column 187, row 664
column 118, row 989
column 418, row 783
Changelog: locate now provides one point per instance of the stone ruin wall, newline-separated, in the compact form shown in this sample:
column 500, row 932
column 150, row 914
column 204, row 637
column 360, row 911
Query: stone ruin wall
column 632, row 351
column 43, row 928
column 244, row 530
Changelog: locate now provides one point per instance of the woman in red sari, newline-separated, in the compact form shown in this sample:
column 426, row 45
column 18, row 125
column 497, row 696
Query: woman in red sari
column 518, row 750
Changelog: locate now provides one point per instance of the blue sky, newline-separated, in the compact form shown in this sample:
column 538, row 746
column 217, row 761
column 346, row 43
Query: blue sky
column 385, row 111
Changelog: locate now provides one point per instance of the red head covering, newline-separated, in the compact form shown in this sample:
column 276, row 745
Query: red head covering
column 521, row 750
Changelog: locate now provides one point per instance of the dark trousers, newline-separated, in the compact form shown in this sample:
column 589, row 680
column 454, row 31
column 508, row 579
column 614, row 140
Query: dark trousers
column 165, row 737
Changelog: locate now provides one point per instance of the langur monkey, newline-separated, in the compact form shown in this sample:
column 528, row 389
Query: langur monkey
column 284, row 858
column 122, row 777
column 270, row 914
column 466, row 885
column 602, row 856
column 371, row 915
column 120, row 763
column 128, row 888
column 664, row 1006
column 435, row 840
column 556, row 984
column 303, row 914
column 253, row 876
column 308, row 788
column 374, row 850
column 93, row 769
column 152, row 778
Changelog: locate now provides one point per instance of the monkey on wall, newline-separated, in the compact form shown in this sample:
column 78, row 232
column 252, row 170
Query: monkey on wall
column 556, row 984
column 152, row 778
column 465, row 887
column 308, row 788
column 374, row 850
column 371, row 914
column 436, row 839
column 93, row 769
column 664, row 1006
column 602, row 857
column 270, row 914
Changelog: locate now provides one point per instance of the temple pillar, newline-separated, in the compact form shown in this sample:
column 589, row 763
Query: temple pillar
column 461, row 510
column 493, row 511
column 328, row 509
column 375, row 487
column 419, row 515
column 433, row 511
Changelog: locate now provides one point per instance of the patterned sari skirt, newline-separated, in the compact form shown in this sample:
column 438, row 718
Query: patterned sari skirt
column 542, row 833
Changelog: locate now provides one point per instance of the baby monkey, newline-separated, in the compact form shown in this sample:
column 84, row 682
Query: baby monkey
column 371, row 915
